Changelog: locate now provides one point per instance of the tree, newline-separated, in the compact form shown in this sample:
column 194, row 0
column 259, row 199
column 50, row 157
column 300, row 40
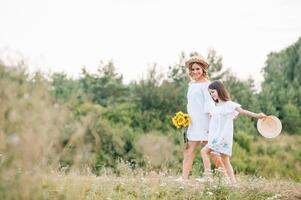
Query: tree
column 281, row 93
column 291, row 118
column 215, row 65
column 105, row 87
column 63, row 87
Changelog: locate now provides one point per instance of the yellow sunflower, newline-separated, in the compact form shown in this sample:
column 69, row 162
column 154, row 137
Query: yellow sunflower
column 181, row 120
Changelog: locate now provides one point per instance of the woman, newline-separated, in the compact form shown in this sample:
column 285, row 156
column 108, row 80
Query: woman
column 199, row 103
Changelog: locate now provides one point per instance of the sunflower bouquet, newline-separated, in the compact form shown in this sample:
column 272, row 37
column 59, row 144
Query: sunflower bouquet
column 181, row 120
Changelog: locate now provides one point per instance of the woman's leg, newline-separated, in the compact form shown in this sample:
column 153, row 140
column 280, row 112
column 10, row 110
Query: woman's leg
column 228, row 167
column 189, row 153
column 203, row 143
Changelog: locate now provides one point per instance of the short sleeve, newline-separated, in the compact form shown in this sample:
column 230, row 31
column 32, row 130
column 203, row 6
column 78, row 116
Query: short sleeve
column 208, row 102
column 230, row 108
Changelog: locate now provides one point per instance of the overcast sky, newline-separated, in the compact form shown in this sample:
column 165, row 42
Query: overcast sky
column 65, row 35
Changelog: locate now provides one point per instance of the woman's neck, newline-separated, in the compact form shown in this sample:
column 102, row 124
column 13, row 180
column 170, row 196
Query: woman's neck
column 200, row 80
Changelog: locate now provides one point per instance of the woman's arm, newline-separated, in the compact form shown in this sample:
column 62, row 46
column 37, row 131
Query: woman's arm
column 249, row 113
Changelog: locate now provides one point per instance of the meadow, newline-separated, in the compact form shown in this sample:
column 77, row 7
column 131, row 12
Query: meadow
column 97, row 138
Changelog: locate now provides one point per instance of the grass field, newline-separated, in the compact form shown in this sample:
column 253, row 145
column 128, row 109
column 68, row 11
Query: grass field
column 143, row 186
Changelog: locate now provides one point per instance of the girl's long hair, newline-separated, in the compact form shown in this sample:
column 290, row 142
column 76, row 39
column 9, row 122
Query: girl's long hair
column 222, row 92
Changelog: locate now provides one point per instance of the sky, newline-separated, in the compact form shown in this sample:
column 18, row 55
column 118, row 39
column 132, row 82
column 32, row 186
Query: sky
column 66, row 35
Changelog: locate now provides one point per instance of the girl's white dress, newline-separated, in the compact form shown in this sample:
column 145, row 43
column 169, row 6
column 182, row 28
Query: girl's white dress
column 221, row 127
column 198, row 106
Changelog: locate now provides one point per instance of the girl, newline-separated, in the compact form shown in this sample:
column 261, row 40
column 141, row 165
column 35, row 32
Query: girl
column 199, row 103
column 221, row 127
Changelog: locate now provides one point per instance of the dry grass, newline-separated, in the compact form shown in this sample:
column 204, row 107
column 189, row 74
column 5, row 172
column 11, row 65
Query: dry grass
column 143, row 186
column 157, row 149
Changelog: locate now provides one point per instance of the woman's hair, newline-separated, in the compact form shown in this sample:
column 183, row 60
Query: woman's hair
column 222, row 92
column 205, row 72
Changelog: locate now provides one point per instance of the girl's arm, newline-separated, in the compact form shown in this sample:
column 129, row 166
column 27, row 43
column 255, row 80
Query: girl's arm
column 249, row 113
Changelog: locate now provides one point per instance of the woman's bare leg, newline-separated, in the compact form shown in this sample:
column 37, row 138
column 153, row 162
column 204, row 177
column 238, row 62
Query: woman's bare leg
column 188, row 158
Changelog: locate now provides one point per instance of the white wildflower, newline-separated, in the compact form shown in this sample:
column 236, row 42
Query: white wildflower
column 163, row 184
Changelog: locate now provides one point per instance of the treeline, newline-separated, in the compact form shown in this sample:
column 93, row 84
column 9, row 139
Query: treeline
column 157, row 97
column 98, row 122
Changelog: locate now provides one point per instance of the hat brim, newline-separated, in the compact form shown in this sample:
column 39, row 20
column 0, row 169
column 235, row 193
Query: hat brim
column 189, row 62
column 269, row 126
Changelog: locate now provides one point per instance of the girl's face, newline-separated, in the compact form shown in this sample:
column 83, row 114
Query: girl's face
column 196, row 72
column 213, row 94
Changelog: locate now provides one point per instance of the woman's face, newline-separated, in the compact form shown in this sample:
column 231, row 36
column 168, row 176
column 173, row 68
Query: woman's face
column 213, row 94
column 196, row 72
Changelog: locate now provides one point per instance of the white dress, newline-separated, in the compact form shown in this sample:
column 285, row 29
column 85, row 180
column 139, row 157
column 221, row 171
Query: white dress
column 199, row 103
column 221, row 127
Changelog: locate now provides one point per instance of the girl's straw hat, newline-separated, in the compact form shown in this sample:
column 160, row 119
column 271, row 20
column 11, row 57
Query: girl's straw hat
column 196, row 59
column 269, row 126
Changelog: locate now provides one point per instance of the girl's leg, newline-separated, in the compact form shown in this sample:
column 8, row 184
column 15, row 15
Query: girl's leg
column 215, row 157
column 219, row 165
column 228, row 167
column 205, row 152
column 188, row 158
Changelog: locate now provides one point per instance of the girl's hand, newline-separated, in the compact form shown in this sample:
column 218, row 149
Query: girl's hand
column 261, row 115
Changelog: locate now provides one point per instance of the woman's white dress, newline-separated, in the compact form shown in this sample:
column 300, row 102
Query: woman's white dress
column 221, row 127
column 199, row 103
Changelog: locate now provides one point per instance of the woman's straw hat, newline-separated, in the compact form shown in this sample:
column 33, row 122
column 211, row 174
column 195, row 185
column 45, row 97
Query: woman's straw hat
column 269, row 126
column 196, row 59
